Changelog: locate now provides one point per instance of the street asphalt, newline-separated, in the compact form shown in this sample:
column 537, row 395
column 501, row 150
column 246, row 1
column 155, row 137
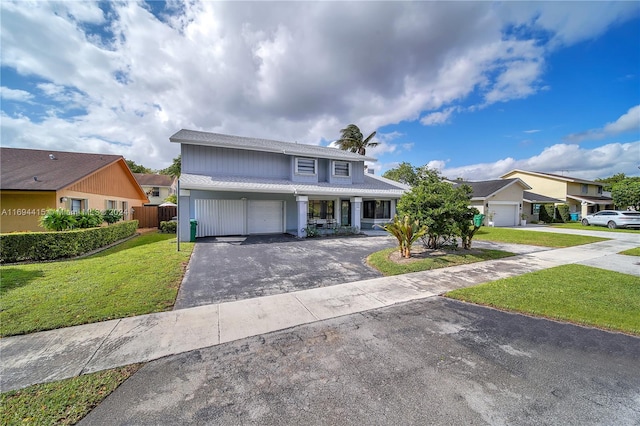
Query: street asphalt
column 377, row 350
column 428, row 362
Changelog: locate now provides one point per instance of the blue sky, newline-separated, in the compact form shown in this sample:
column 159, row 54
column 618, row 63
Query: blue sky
column 472, row 89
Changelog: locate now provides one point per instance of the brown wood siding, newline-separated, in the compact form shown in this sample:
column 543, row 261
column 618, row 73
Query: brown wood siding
column 111, row 180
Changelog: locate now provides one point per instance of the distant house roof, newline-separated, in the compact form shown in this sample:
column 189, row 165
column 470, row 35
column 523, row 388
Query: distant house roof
column 553, row 176
column 40, row 170
column 532, row 197
column 487, row 188
column 193, row 137
column 373, row 186
column 150, row 179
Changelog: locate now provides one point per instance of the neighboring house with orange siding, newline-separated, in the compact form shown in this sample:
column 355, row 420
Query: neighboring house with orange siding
column 32, row 181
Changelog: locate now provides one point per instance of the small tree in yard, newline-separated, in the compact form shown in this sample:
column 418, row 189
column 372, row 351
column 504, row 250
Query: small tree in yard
column 406, row 232
column 440, row 206
column 626, row 193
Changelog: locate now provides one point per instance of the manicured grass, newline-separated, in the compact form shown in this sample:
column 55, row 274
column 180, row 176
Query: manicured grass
column 61, row 403
column 574, row 293
column 137, row 277
column 580, row 226
column 546, row 239
column 632, row 252
column 380, row 260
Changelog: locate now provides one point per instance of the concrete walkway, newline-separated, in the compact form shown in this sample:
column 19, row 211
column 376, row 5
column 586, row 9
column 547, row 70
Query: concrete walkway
column 68, row 352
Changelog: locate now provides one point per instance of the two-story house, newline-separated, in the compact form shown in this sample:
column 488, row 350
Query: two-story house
column 234, row 185
column 157, row 187
column 582, row 196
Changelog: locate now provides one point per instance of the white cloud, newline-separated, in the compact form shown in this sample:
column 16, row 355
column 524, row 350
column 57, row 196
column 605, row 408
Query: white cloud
column 568, row 159
column 15, row 95
column 628, row 122
column 436, row 118
column 294, row 71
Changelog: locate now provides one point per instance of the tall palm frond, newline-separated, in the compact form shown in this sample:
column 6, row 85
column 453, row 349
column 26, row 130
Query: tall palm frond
column 353, row 140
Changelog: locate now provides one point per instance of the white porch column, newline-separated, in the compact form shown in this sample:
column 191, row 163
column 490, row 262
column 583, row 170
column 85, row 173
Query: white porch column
column 356, row 207
column 303, row 207
column 184, row 215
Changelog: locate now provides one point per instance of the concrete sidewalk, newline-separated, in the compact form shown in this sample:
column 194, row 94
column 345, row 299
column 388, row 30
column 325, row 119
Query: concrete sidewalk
column 68, row 352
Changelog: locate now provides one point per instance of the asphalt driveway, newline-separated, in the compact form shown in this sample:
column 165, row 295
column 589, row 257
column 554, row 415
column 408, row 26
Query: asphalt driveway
column 233, row 268
column 432, row 361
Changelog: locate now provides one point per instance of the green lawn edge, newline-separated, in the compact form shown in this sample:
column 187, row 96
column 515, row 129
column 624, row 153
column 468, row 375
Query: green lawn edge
column 139, row 276
column 64, row 402
column 380, row 260
column 573, row 293
column 533, row 238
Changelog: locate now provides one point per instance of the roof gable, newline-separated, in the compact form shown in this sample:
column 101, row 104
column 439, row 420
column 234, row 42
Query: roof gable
column 486, row 188
column 39, row 170
column 265, row 145
column 552, row 176
column 150, row 179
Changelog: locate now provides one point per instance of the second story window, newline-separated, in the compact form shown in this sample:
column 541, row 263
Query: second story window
column 155, row 191
column 585, row 188
column 341, row 168
column 600, row 190
column 305, row 166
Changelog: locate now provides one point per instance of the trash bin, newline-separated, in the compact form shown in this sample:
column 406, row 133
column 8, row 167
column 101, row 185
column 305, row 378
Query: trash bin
column 477, row 220
column 574, row 216
column 194, row 226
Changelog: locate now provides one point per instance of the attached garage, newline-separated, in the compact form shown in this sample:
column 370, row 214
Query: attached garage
column 266, row 217
column 504, row 214
column 238, row 217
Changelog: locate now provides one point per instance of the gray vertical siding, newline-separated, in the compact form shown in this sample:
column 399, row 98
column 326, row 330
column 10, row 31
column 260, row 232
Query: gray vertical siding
column 197, row 159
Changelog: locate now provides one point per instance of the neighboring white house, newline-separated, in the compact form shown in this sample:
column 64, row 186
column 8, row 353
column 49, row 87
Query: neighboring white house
column 157, row 187
column 236, row 185
column 500, row 200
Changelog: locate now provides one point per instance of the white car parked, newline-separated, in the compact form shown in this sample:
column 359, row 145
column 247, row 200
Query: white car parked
column 613, row 219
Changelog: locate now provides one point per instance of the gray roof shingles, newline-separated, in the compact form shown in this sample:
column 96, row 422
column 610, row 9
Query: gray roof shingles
column 54, row 170
column 265, row 145
column 150, row 179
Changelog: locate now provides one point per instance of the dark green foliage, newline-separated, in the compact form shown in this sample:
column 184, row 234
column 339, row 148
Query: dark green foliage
column 174, row 169
column 112, row 216
column 57, row 220
column 138, row 168
column 18, row 247
column 440, row 206
column 563, row 213
column 404, row 173
column 89, row 219
column 353, row 140
column 168, row 226
column 626, row 193
column 546, row 213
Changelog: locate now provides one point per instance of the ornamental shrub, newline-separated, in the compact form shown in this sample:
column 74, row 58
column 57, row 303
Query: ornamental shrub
column 34, row 246
column 57, row 220
column 112, row 216
column 168, row 226
column 89, row 219
column 563, row 213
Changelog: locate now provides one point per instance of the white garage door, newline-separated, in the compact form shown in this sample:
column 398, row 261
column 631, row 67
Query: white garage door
column 219, row 217
column 265, row 217
column 505, row 214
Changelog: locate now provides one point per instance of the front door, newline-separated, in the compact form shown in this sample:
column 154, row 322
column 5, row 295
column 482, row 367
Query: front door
column 345, row 213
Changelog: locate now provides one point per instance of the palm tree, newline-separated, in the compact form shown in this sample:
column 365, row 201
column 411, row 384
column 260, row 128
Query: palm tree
column 353, row 140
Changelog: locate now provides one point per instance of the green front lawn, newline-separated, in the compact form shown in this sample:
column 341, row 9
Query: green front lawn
column 546, row 239
column 139, row 276
column 581, row 227
column 573, row 293
column 64, row 402
column 632, row 252
column 381, row 261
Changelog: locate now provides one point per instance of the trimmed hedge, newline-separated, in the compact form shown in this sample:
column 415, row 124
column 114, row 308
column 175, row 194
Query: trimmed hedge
column 55, row 245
